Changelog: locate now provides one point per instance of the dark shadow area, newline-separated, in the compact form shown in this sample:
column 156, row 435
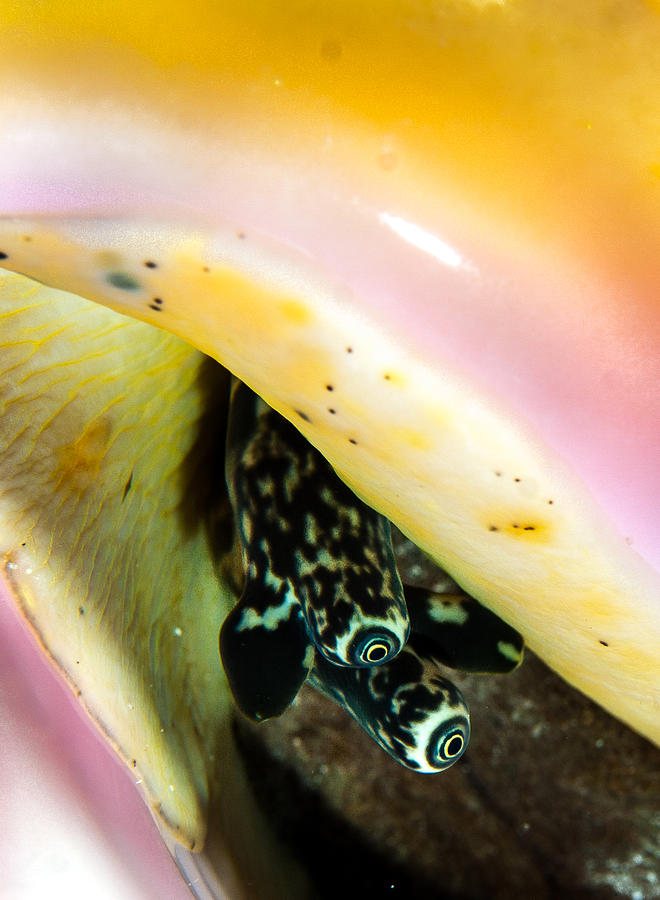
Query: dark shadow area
column 340, row 862
column 204, row 499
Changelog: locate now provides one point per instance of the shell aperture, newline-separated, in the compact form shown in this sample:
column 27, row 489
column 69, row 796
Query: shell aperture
column 457, row 631
column 305, row 534
column 296, row 522
column 415, row 714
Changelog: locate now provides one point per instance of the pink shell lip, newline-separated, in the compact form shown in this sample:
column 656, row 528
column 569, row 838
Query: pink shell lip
column 42, row 727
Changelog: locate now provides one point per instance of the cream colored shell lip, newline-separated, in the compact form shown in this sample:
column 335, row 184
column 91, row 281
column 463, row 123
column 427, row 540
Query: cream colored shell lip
column 457, row 474
column 107, row 517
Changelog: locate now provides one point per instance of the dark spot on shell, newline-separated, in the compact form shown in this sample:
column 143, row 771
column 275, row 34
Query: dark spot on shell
column 127, row 487
column 205, row 269
column 150, row 264
column 550, row 502
column 516, row 479
column 123, row 281
column 387, row 376
column 499, row 474
column 134, row 762
column 303, row 415
column 604, row 643
column 493, row 528
column 329, row 387
column 530, row 528
column 352, row 441
column 332, row 411
column 81, row 610
column 4, row 255
column 349, row 349
column 156, row 304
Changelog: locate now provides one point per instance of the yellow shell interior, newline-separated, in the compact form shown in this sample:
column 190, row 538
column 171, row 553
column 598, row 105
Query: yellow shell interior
column 109, row 545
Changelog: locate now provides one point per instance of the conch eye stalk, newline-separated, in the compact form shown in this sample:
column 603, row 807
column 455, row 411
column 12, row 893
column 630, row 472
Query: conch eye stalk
column 306, row 536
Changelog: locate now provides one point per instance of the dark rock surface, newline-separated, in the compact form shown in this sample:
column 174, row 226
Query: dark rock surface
column 554, row 798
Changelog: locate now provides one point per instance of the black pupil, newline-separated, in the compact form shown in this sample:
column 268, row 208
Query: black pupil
column 375, row 652
column 454, row 745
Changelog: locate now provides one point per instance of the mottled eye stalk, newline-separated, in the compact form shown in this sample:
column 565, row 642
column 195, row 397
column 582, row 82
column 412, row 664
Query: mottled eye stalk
column 304, row 531
column 455, row 630
column 409, row 709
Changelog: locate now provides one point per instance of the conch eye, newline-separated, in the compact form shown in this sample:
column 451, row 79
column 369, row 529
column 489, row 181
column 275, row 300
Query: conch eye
column 453, row 746
column 449, row 740
column 376, row 651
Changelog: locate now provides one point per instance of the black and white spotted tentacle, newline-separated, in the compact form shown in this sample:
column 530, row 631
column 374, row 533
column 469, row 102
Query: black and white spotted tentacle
column 457, row 631
column 266, row 652
column 301, row 526
column 415, row 714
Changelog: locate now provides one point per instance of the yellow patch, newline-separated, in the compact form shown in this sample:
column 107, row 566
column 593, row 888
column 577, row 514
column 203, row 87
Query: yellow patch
column 107, row 259
column 526, row 527
column 411, row 437
column 295, row 312
column 396, row 379
column 80, row 463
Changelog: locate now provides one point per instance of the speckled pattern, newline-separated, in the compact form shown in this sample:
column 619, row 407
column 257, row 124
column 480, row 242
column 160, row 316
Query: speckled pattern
column 455, row 630
column 406, row 706
column 335, row 559
column 263, row 635
column 303, row 534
